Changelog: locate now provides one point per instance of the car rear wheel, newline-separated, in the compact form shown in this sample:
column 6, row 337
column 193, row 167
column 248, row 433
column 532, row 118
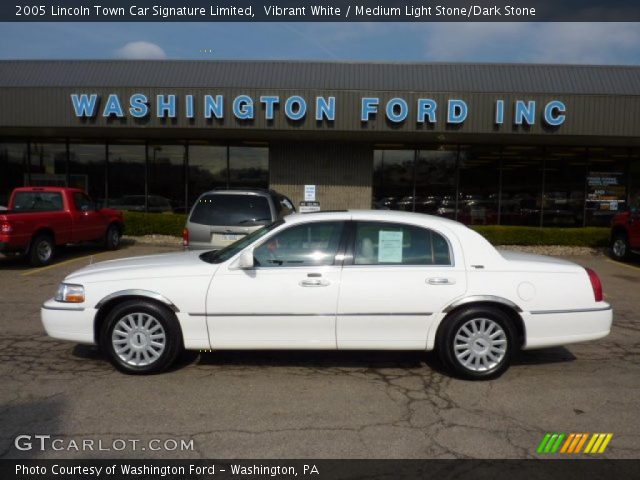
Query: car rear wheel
column 112, row 238
column 141, row 337
column 41, row 251
column 477, row 343
column 620, row 247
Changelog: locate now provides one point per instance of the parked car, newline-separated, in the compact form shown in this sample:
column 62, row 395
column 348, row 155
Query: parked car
column 220, row 217
column 39, row 219
column 625, row 234
column 334, row 280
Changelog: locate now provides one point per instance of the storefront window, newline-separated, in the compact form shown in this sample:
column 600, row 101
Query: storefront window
column 393, row 179
column 249, row 167
column 479, row 187
column 435, row 190
column 48, row 164
column 606, row 185
column 207, row 169
column 87, row 169
column 565, row 172
column 521, row 200
column 13, row 160
column 634, row 179
column 166, row 178
column 127, row 176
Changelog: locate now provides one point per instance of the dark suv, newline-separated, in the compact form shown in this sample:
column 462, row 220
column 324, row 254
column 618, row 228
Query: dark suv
column 220, row 217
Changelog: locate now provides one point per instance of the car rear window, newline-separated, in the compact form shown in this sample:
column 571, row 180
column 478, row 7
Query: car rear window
column 37, row 201
column 231, row 210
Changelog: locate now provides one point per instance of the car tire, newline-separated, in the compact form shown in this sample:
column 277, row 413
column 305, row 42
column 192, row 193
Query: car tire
column 41, row 250
column 141, row 337
column 620, row 248
column 477, row 343
column 112, row 237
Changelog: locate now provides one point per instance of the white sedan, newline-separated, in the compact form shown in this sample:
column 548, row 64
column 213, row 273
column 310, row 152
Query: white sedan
column 335, row 281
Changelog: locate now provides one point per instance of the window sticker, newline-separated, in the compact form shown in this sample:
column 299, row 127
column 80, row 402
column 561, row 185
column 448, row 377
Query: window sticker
column 389, row 247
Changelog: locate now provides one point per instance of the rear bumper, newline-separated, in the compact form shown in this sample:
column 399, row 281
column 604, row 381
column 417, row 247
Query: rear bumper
column 563, row 327
column 68, row 322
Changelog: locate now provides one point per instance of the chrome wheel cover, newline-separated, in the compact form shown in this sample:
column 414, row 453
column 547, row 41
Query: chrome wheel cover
column 480, row 344
column 44, row 251
column 138, row 339
column 619, row 247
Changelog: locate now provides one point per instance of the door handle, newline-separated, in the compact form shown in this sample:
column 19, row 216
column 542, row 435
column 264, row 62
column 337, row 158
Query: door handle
column 314, row 282
column 440, row 281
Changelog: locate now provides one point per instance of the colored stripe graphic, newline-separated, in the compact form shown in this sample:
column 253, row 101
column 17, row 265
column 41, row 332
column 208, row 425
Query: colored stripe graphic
column 573, row 443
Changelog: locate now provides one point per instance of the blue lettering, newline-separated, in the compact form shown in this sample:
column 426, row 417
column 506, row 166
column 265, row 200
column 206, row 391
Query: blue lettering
column 525, row 113
column 84, row 105
column 554, row 113
column 189, row 106
column 499, row 112
column 138, row 105
column 326, row 107
column 457, row 111
column 397, row 110
column 113, row 107
column 166, row 107
column 270, row 102
column 369, row 106
column 426, row 108
column 300, row 107
column 243, row 107
column 213, row 107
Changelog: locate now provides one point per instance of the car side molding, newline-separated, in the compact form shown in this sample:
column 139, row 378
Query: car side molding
column 137, row 293
column 482, row 298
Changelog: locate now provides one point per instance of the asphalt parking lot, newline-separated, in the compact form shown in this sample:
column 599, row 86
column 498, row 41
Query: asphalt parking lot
column 309, row 404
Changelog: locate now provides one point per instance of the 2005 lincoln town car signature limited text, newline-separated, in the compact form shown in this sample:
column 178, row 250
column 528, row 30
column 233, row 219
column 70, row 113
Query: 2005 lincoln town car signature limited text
column 334, row 280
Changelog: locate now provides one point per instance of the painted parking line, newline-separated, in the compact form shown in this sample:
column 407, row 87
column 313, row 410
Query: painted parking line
column 623, row 264
column 60, row 264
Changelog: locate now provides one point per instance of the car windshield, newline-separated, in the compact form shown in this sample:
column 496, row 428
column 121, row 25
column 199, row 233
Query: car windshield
column 231, row 210
column 219, row 256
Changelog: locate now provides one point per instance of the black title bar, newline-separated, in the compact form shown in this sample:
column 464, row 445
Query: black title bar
column 320, row 11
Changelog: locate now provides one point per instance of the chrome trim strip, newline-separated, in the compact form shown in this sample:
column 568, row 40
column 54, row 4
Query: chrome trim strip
column 72, row 309
column 426, row 314
column 573, row 310
column 137, row 293
column 482, row 298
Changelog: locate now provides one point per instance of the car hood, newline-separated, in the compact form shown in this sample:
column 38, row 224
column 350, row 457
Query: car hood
column 181, row 264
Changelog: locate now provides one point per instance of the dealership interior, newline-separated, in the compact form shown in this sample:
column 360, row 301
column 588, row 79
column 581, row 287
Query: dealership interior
column 478, row 184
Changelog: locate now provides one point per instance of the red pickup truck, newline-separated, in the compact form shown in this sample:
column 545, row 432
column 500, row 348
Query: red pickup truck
column 625, row 234
column 39, row 219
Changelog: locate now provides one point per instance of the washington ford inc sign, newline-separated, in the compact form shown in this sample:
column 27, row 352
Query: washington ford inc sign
column 297, row 108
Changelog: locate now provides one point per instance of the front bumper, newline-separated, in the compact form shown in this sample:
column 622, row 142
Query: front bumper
column 563, row 327
column 67, row 321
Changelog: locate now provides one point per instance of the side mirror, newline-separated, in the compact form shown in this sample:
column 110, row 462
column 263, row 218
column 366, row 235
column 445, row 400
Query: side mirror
column 245, row 261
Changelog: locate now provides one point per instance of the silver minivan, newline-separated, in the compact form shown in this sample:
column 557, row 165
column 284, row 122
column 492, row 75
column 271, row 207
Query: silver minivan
column 220, row 217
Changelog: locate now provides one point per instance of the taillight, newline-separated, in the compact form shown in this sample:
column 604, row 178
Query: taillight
column 6, row 227
column 596, row 284
column 185, row 237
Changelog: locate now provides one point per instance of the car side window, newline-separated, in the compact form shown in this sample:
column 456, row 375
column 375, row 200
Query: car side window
column 380, row 243
column 82, row 202
column 309, row 244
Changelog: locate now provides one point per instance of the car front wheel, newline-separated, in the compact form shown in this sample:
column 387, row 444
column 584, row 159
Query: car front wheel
column 141, row 337
column 477, row 343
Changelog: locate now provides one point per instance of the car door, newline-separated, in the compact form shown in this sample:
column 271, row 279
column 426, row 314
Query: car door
column 87, row 222
column 397, row 277
column 288, row 300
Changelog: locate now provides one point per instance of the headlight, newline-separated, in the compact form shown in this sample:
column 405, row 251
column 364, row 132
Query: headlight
column 70, row 293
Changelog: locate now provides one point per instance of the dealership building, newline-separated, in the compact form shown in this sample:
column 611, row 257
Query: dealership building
column 512, row 144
